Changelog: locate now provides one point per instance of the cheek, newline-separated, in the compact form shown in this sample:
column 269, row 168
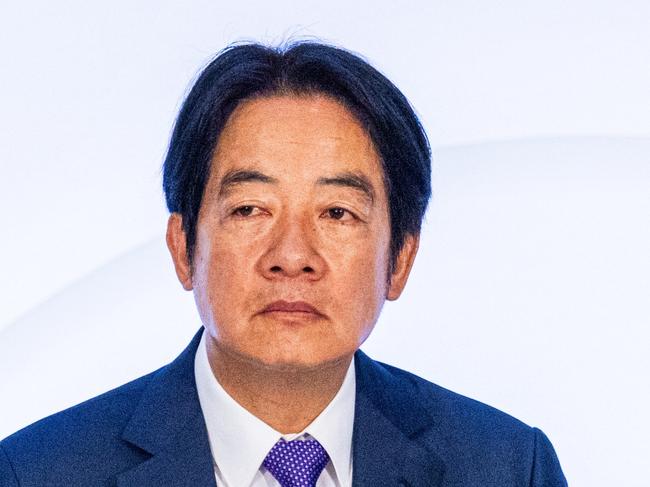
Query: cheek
column 359, row 273
column 230, row 271
column 221, row 271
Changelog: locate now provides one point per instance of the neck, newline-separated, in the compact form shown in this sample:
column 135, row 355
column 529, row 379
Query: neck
column 286, row 398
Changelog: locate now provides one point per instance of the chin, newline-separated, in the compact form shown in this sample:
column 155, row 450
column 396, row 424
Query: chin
column 300, row 357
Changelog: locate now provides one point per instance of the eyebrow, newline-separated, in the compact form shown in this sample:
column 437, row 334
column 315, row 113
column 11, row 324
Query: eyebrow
column 352, row 180
column 239, row 176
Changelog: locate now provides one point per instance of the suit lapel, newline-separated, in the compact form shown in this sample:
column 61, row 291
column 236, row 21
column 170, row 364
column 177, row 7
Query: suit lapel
column 390, row 426
column 169, row 425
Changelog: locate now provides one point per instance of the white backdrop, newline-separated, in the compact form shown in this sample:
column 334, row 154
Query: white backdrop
column 531, row 290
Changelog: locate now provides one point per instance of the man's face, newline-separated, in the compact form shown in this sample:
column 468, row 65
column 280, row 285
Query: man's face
column 292, row 244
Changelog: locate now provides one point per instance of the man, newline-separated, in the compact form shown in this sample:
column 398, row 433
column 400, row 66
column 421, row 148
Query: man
column 297, row 180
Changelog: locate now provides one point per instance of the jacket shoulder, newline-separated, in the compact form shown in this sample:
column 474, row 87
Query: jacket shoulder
column 85, row 434
column 467, row 415
column 480, row 444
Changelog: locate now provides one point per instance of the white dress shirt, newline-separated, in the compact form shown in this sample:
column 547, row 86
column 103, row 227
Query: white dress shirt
column 240, row 441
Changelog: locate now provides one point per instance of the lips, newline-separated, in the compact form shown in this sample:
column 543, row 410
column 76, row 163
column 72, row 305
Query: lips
column 291, row 307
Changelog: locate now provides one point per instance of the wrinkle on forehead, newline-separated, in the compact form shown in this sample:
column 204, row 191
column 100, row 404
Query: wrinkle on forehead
column 319, row 129
column 253, row 115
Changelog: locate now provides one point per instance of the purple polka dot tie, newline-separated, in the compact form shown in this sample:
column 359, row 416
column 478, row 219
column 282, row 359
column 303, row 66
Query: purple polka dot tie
column 296, row 463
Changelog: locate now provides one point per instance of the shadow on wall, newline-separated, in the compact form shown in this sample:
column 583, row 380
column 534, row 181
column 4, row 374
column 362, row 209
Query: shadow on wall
column 121, row 321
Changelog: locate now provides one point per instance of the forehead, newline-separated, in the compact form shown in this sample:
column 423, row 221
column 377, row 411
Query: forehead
column 296, row 136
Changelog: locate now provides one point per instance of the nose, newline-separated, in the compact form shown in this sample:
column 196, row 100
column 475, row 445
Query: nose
column 293, row 252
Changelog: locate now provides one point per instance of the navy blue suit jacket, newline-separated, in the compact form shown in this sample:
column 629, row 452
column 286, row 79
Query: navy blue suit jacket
column 151, row 432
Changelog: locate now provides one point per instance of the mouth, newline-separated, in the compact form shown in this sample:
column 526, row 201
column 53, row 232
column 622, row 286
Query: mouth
column 292, row 308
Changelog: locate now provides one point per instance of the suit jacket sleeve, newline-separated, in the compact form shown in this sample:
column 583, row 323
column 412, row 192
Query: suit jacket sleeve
column 546, row 466
column 7, row 475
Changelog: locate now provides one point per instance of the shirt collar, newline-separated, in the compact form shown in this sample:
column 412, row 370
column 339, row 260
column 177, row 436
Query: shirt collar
column 240, row 441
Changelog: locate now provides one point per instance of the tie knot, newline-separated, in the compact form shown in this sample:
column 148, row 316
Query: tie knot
column 296, row 463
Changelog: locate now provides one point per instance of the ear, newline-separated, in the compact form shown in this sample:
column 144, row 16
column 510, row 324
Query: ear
column 176, row 243
column 403, row 266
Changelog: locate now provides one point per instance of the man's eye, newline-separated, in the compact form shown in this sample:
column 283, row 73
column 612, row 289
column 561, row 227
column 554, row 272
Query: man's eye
column 338, row 213
column 243, row 210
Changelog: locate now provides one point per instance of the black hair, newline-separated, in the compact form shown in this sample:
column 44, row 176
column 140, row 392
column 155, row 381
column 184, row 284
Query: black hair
column 245, row 71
